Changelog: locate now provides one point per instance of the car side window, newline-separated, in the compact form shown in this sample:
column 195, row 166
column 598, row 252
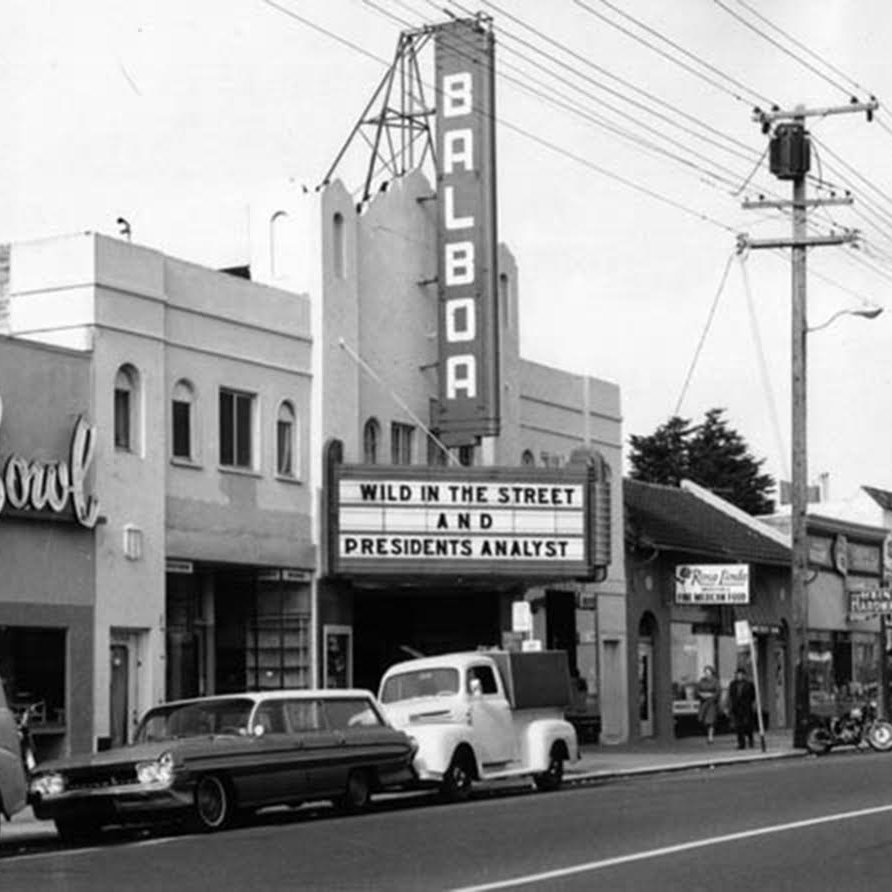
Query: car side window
column 485, row 676
column 344, row 713
column 303, row 715
column 271, row 717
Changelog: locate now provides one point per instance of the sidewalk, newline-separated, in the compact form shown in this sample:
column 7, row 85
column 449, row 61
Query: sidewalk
column 601, row 761
column 597, row 762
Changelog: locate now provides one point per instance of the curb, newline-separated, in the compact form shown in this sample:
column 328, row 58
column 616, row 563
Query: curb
column 583, row 777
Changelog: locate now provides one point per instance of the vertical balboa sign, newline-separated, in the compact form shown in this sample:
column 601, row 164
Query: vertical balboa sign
column 466, row 233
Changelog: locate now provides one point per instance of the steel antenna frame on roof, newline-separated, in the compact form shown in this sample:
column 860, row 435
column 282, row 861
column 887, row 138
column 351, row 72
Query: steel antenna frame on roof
column 409, row 116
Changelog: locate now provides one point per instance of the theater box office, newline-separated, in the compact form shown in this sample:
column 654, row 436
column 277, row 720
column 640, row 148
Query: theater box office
column 428, row 560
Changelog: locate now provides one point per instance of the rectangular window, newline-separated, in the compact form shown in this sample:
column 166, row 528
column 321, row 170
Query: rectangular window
column 182, row 429
column 236, row 428
column 122, row 419
column 401, row 443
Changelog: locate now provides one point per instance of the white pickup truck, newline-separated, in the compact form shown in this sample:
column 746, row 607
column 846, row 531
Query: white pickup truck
column 483, row 715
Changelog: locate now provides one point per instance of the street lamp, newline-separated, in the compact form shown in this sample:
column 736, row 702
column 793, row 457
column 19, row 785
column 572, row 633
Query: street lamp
column 863, row 312
column 799, row 482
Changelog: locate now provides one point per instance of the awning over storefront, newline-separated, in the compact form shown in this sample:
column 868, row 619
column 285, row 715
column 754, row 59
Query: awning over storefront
column 763, row 618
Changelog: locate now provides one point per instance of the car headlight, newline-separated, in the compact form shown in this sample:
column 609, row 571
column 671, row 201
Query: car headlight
column 50, row 784
column 158, row 772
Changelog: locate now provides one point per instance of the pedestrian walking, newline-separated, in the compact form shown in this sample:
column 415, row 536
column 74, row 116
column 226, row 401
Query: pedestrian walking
column 742, row 698
column 708, row 691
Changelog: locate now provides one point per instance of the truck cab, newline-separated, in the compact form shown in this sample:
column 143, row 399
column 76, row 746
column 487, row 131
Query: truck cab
column 483, row 715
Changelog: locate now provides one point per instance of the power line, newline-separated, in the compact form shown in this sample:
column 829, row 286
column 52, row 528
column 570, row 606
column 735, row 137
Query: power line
column 699, row 74
column 763, row 367
column 601, row 70
column 779, row 46
column 801, row 46
column 709, row 318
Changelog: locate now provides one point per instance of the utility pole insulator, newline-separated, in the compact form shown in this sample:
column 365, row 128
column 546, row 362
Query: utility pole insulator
column 790, row 152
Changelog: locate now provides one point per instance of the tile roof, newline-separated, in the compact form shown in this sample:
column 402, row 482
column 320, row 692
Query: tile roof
column 692, row 520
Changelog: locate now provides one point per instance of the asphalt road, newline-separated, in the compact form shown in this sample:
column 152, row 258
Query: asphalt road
column 805, row 824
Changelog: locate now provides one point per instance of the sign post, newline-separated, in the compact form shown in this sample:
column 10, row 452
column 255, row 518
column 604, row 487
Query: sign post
column 744, row 635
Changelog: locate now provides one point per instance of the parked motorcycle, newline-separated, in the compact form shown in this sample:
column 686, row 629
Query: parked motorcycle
column 857, row 726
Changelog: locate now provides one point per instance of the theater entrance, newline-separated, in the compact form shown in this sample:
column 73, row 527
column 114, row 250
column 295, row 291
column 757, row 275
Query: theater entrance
column 389, row 627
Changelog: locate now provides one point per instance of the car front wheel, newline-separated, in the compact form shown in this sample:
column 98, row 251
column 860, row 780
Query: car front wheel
column 214, row 806
column 456, row 784
column 553, row 776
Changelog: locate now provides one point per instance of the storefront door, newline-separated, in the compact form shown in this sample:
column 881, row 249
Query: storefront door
column 645, row 689
column 119, row 694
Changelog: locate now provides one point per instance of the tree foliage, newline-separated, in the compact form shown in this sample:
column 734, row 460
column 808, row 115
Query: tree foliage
column 711, row 453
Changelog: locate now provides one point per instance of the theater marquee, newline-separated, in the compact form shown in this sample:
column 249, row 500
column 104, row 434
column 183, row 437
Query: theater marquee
column 435, row 521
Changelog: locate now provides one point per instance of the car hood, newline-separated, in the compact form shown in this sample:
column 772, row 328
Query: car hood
column 140, row 752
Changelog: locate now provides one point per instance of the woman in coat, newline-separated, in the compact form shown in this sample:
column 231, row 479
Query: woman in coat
column 708, row 691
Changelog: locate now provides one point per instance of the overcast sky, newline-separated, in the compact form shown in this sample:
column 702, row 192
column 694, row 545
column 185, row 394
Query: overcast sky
column 174, row 113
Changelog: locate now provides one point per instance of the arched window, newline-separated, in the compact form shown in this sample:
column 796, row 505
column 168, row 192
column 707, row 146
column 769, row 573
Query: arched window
column 282, row 246
column 371, row 437
column 286, row 441
column 126, row 409
column 338, row 247
column 182, row 413
column 528, row 459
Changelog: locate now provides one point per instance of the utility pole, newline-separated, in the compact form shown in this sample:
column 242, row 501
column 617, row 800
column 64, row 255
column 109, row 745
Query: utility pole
column 790, row 157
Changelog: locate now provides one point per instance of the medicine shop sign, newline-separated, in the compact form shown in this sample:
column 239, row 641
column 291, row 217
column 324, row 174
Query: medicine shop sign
column 435, row 521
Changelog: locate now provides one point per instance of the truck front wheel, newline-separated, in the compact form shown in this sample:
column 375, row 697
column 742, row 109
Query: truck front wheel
column 551, row 778
column 456, row 783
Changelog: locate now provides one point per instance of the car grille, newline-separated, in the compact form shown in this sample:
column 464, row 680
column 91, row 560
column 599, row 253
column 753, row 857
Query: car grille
column 97, row 778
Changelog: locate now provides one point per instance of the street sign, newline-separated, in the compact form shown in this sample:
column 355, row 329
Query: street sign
column 743, row 633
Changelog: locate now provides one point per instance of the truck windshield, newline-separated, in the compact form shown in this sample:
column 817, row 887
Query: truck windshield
column 420, row 683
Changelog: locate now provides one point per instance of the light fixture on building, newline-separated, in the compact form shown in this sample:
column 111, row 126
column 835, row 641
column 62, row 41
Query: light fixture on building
column 132, row 542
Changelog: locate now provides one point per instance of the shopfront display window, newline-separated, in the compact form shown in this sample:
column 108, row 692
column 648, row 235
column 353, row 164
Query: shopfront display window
column 32, row 668
column 694, row 647
column 843, row 669
column 278, row 636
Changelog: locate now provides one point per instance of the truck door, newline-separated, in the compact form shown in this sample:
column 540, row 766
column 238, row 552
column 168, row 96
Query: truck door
column 491, row 717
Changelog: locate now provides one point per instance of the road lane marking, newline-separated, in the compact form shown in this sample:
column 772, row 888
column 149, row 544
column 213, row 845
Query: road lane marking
column 591, row 866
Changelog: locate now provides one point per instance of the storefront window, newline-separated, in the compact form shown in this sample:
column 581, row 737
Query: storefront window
column 278, row 637
column 694, row 647
column 32, row 667
column 843, row 668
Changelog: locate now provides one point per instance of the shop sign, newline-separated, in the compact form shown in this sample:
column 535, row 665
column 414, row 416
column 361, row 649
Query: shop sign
column 53, row 487
column 466, row 233
column 869, row 603
column 712, row 584
column 505, row 520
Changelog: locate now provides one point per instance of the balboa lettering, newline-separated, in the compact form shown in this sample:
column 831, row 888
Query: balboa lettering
column 56, row 485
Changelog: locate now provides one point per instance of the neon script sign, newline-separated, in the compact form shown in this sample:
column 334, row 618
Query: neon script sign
column 53, row 486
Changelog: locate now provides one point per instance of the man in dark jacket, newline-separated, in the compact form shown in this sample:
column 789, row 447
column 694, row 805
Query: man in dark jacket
column 742, row 697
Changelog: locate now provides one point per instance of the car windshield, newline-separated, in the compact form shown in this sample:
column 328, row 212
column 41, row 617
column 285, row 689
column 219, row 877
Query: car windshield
column 196, row 719
column 420, row 683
